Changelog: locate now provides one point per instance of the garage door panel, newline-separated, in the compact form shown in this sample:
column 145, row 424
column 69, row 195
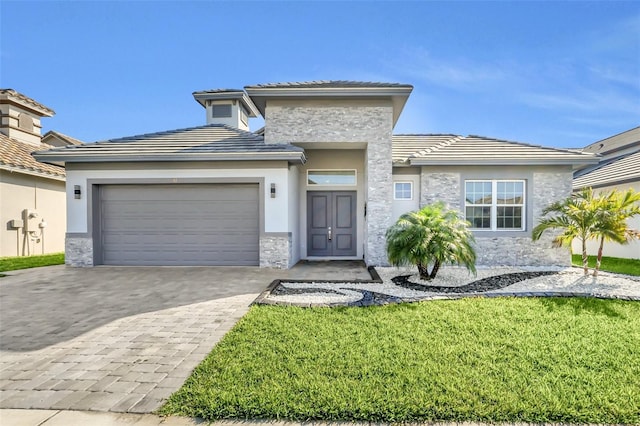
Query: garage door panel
column 199, row 224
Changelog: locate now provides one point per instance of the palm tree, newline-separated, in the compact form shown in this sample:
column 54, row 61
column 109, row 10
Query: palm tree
column 615, row 207
column 586, row 216
column 576, row 216
column 434, row 235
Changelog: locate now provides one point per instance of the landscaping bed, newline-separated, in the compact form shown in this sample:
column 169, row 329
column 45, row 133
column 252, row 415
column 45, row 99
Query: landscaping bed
column 572, row 360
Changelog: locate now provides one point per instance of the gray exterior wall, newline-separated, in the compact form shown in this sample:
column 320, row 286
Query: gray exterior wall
column 511, row 248
column 338, row 123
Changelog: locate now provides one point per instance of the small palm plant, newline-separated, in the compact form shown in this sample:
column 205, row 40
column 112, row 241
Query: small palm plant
column 434, row 236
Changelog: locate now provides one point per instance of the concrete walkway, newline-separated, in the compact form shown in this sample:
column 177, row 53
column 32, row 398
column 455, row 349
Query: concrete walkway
column 119, row 339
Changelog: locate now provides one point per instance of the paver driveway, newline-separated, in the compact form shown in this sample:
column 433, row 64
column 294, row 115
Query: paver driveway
column 114, row 338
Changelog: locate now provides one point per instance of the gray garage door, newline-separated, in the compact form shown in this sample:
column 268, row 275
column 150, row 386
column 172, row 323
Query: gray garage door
column 199, row 224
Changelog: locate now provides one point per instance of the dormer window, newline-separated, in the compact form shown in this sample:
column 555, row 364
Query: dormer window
column 221, row 111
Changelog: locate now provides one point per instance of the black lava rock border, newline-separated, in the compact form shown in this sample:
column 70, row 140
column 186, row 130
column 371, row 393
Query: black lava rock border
column 495, row 282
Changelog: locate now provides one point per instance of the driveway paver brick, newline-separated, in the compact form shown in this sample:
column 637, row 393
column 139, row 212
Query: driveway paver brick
column 119, row 338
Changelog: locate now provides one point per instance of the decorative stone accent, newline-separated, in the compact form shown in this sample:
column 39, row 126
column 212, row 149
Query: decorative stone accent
column 349, row 122
column 323, row 123
column 519, row 251
column 276, row 251
column 78, row 251
column 440, row 187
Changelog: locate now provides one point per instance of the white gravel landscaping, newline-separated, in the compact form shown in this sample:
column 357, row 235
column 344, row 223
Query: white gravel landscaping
column 564, row 282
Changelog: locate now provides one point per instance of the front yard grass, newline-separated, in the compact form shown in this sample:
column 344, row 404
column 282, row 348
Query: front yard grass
column 24, row 262
column 612, row 264
column 571, row 360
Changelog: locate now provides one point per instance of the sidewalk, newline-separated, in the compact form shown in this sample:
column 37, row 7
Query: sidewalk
column 13, row 417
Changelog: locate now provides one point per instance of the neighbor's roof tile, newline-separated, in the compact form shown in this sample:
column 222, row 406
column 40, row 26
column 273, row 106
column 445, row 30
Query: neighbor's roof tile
column 16, row 156
column 611, row 172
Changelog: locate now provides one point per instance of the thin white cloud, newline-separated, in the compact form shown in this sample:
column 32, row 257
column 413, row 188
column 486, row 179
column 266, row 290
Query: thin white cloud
column 460, row 74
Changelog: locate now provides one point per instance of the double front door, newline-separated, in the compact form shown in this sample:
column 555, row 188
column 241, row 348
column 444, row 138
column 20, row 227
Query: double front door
column 331, row 223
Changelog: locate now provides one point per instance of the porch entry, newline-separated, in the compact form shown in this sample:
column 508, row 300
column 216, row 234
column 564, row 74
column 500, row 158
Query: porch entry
column 331, row 223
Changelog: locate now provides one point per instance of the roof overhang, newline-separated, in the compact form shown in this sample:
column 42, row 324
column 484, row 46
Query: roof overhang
column 397, row 93
column 227, row 94
column 31, row 172
column 62, row 158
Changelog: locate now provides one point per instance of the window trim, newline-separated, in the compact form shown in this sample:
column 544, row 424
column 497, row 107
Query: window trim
column 494, row 205
column 314, row 185
column 395, row 198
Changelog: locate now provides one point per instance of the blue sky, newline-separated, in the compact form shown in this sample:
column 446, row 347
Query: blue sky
column 562, row 74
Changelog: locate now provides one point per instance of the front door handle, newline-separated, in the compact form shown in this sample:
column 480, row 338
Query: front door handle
column 329, row 234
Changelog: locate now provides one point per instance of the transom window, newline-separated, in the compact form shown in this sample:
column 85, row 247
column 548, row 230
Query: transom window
column 495, row 205
column 403, row 190
column 331, row 177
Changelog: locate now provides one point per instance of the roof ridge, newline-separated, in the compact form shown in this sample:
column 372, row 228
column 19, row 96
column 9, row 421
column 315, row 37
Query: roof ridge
column 438, row 146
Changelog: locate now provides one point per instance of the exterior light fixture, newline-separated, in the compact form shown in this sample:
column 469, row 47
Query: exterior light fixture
column 273, row 190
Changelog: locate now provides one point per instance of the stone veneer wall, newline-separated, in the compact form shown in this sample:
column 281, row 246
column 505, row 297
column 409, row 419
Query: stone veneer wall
column 78, row 251
column 369, row 122
column 507, row 250
column 276, row 251
column 440, row 187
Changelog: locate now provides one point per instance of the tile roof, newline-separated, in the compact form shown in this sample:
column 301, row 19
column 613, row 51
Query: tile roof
column 15, row 156
column 320, row 84
column 10, row 93
column 478, row 150
column 209, row 142
column 610, row 172
column 65, row 138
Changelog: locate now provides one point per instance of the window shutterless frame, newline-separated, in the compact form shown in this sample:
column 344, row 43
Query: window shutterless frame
column 496, row 204
column 332, row 177
column 403, row 190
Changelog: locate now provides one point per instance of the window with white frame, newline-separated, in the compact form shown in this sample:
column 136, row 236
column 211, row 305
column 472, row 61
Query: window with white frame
column 495, row 205
column 403, row 190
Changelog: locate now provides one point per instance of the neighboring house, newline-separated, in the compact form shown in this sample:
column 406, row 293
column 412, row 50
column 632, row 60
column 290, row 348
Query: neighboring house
column 324, row 179
column 57, row 139
column 32, row 194
column 619, row 168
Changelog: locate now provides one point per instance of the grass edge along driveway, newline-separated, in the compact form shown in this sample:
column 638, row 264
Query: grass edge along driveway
column 572, row 360
column 25, row 262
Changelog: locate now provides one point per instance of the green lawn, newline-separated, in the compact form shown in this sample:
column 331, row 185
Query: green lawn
column 612, row 264
column 569, row 360
column 24, row 262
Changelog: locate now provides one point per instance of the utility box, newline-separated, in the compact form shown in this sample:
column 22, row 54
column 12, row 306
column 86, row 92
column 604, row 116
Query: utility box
column 16, row 223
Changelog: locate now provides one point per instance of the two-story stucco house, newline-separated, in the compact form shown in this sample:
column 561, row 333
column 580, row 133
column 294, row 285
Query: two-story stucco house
column 324, row 179
column 32, row 194
column 619, row 168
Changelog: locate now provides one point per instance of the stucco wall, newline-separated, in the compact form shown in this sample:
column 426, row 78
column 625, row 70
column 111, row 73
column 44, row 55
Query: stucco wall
column 628, row 251
column 327, row 159
column 543, row 186
column 20, row 191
